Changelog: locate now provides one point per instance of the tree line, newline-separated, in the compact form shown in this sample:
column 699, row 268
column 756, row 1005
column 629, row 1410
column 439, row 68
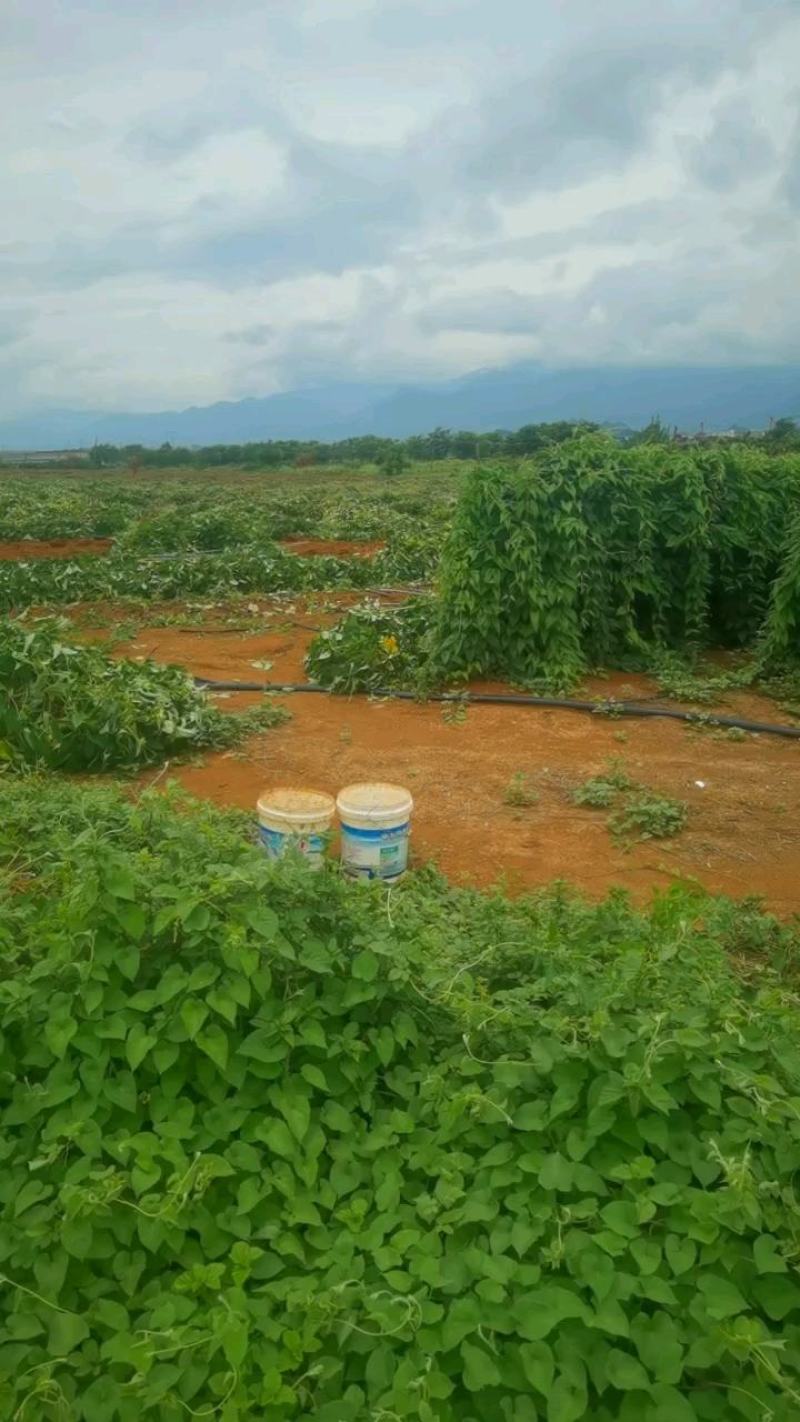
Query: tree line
column 439, row 444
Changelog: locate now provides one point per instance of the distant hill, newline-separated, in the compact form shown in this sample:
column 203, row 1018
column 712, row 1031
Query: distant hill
column 717, row 397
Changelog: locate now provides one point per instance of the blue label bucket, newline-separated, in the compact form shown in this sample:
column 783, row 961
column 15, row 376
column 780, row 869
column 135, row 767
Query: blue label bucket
column 376, row 823
column 295, row 819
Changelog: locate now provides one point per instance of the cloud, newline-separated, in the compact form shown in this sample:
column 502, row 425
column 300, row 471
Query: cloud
column 735, row 148
column 590, row 111
column 206, row 202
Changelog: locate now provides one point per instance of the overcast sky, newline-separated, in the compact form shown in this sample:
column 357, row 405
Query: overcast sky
column 208, row 199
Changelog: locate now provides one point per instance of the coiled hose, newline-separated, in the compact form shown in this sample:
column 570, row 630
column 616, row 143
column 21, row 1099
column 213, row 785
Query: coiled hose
column 492, row 698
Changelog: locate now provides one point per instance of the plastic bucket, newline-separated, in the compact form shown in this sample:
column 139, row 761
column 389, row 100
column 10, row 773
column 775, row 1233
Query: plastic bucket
column 295, row 819
column 376, row 822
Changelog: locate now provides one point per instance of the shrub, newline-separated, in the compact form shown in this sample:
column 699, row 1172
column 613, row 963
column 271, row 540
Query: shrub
column 393, row 462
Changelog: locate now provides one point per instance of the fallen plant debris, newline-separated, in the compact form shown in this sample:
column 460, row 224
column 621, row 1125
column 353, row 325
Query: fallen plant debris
column 73, row 708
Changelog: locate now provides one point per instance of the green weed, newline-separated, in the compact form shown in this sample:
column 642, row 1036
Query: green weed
column 519, row 793
column 640, row 813
column 647, row 815
column 601, row 790
column 704, row 686
column 454, row 712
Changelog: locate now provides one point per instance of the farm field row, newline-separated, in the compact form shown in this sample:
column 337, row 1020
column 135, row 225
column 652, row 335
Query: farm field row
column 59, row 545
column 163, row 512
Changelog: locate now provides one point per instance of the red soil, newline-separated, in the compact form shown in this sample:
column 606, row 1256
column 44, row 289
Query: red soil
column 52, row 548
column 338, row 547
column 743, row 835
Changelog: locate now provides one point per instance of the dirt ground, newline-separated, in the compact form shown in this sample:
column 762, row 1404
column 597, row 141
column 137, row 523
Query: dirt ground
column 338, row 547
column 52, row 548
column 743, row 834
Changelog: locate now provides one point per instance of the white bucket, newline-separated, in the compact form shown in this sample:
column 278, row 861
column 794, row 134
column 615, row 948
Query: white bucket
column 295, row 819
column 375, row 828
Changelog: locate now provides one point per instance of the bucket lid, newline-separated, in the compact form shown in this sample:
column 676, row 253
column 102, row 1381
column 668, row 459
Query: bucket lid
column 296, row 804
column 374, row 800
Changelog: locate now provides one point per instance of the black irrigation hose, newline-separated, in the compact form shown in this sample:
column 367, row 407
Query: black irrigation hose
column 487, row 698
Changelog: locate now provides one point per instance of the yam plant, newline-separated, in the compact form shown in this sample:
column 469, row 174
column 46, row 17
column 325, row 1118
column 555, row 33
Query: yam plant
column 600, row 555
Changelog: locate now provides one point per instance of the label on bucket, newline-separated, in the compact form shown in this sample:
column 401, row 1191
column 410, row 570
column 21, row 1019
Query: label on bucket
column 375, row 854
column 311, row 846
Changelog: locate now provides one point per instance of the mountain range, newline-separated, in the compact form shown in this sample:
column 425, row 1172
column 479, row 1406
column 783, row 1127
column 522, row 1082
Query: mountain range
column 716, row 397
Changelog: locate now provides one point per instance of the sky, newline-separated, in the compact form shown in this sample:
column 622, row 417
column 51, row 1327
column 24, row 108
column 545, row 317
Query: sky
column 206, row 201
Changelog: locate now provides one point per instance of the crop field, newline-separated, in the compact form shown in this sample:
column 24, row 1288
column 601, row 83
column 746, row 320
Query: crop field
column 517, row 1139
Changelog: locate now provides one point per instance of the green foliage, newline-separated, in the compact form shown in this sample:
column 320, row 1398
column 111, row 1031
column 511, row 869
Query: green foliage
column 123, row 575
column 784, row 686
column 783, row 435
column 394, row 461
column 600, row 555
column 519, row 793
column 780, row 646
column 374, row 647
column 72, row 708
column 601, row 790
column 194, row 525
column 61, row 509
column 271, row 1153
column 654, row 432
column 225, row 518
column 640, row 813
column 589, row 554
column 454, row 711
column 506, row 583
column 647, row 815
column 439, row 445
column 227, row 523
column 701, row 685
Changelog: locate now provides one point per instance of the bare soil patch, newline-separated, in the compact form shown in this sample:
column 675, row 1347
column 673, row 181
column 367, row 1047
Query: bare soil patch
column 26, row 548
column 337, row 547
column 744, row 823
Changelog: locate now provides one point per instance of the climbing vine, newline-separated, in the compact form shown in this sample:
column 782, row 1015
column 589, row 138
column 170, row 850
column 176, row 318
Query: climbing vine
column 598, row 554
